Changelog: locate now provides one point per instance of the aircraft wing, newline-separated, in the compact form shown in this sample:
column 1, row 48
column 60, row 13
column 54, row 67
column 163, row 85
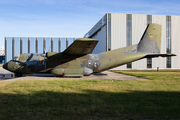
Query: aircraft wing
column 81, row 46
column 159, row 55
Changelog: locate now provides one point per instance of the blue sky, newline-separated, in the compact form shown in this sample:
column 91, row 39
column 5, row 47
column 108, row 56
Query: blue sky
column 69, row 18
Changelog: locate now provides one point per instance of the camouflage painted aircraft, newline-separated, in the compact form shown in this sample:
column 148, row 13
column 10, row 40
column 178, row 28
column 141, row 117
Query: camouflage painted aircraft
column 77, row 59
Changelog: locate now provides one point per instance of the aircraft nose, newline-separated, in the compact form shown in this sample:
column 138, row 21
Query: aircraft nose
column 5, row 66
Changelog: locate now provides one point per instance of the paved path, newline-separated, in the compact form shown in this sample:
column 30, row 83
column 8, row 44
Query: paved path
column 106, row 75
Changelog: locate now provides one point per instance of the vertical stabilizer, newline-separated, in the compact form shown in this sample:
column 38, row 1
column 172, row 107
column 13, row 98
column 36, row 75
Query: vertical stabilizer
column 151, row 40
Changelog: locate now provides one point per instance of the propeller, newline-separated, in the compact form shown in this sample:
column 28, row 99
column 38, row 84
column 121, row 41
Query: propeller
column 44, row 55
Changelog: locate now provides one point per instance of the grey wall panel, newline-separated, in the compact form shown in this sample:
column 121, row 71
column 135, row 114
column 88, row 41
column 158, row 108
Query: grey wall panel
column 96, row 27
column 175, row 41
column 101, row 36
column 160, row 62
column 118, row 32
column 139, row 24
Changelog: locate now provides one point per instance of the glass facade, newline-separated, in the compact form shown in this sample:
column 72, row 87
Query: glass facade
column 149, row 60
column 16, row 45
column 109, row 30
column 168, row 40
column 48, row 44
column 70, row 41
column 9, row 48
column 25, row 45
column 55, row 44
column 14, row 50
column 40, row 45
column 32, row 43
column 63, row 44
column 129, row 30
column 129, row 33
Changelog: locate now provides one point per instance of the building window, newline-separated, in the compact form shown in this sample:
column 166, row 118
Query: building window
column 129, row 65
column 2, row 59
column 168, row 62
column 149, row 60
column 109, row 31
column 129, row 33
column 168, row 40
column 129, row 30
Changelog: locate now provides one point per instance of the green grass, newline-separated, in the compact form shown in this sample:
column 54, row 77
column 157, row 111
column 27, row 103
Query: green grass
column 157, row 98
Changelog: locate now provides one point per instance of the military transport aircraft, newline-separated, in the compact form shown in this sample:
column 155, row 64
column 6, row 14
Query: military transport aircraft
column 77, row 59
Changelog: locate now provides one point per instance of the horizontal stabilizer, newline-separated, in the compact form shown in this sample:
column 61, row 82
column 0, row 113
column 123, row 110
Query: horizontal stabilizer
column 158, row 55
column 81, row 46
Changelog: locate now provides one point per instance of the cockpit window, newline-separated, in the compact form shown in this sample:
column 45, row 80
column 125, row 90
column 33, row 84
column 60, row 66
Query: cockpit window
column 16, row 58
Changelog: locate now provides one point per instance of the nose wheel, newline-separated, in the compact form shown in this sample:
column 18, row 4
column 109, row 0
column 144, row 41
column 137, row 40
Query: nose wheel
column 18, row 74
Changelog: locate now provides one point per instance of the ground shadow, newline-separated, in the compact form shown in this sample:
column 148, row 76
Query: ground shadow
column 43, row 75
column 100, row 74
column 31, row 75
column 91, row 105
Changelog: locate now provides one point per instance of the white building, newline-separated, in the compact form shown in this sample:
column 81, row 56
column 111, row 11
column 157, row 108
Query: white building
column 116, row 30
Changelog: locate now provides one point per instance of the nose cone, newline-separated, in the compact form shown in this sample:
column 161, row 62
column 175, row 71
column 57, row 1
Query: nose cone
column 5, row 66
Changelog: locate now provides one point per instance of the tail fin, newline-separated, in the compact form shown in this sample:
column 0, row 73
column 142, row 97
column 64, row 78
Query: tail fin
column 151, row 40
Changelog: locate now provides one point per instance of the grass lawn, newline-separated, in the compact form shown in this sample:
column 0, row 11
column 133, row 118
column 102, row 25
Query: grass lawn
column 157, row 98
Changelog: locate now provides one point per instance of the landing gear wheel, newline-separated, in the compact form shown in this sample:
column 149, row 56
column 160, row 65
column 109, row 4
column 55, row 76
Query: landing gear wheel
column 18, row 74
